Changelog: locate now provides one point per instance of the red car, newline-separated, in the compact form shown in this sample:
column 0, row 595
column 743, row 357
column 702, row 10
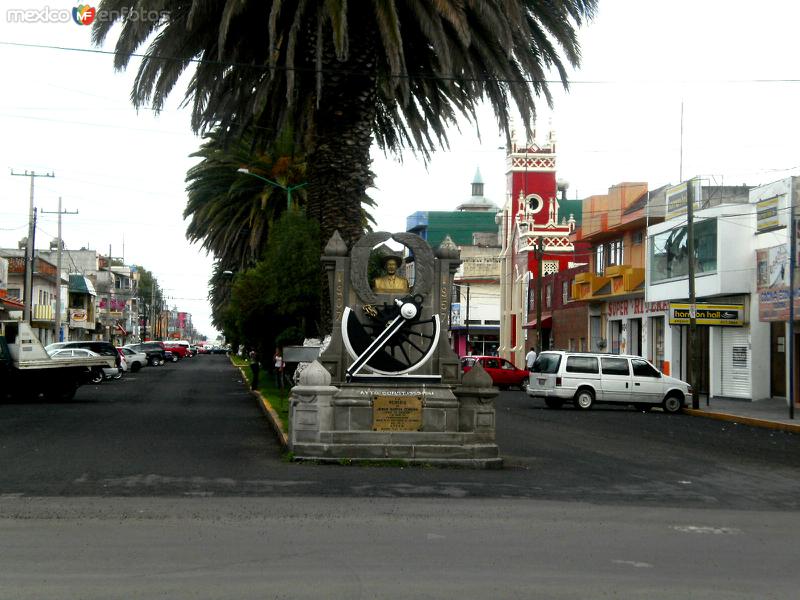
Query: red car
column 503, row 373
column 178, row 350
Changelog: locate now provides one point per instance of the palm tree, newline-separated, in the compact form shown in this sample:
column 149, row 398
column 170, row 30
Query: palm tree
column 230, row 212
column 343, row 74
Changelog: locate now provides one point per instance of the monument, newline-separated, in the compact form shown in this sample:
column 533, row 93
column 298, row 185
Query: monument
column 388, row 386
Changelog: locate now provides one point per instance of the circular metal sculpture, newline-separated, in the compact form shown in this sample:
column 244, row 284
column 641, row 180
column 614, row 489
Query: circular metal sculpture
column 390, row 335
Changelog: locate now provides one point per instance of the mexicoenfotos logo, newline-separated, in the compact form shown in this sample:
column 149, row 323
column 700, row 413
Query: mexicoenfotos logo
column 84, row 14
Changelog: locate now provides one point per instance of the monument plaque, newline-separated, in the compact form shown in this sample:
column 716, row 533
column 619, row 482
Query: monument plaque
column 397, row 413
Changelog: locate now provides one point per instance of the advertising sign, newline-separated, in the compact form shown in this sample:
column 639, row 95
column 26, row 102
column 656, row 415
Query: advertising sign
column 772, row 280
column 677, row 197
column 767, row 216
column 731, row 315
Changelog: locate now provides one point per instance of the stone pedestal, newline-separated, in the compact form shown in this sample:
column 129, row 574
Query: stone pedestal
column 450, row 426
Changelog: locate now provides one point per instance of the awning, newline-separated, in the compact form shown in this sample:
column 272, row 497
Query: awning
column 79, row 284
column 547, row 323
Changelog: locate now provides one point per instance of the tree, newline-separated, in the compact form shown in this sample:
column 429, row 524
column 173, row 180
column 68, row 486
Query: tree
column 229, row 211
column 341, row 74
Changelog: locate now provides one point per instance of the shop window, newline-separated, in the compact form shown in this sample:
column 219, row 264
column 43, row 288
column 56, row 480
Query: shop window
column 669, row 252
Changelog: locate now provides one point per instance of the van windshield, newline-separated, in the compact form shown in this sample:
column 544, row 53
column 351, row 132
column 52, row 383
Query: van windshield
column 547, row 363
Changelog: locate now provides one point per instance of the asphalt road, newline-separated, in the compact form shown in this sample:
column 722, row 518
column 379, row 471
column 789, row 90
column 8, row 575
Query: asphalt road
column 192, row 429
column 170, row 484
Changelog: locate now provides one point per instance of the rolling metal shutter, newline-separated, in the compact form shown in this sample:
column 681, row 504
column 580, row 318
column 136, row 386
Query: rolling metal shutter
column 736, row 361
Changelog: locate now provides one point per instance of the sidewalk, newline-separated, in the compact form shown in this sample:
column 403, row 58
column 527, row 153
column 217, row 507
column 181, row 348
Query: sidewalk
column 772, row 413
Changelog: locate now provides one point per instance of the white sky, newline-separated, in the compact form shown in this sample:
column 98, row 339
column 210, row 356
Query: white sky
column 68, row 112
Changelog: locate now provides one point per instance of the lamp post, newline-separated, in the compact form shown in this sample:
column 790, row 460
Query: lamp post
column 287, row 189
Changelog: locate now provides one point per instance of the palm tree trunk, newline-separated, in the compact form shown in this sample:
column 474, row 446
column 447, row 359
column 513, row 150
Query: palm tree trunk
column 338, row 165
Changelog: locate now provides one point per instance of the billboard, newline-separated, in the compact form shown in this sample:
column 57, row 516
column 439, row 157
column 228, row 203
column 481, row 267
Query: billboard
column 772, row 281
column 731, row 315
column 678, row 195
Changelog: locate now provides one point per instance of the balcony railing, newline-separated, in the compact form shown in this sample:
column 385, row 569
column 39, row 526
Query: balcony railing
column 43, row 312
column 617, row 280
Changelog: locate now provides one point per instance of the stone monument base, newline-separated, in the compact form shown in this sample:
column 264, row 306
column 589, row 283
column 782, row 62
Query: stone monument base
column 392, row 420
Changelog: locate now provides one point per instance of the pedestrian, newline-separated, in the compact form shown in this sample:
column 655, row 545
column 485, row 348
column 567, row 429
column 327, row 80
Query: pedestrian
column 530, row 358
column 255, row 367
column 278, row 366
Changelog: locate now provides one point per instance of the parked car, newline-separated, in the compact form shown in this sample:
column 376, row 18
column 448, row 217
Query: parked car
column 503, row 373
column 97, row 374
column 586, row 378
column 101, row 347
column 135, row 360
column 178, row 351
column 153, row 350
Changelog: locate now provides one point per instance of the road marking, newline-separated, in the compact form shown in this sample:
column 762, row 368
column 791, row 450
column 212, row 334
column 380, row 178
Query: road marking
column 704, row 529
column 633, row 563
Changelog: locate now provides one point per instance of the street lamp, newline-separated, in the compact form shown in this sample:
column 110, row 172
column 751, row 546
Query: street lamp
column 287, row 189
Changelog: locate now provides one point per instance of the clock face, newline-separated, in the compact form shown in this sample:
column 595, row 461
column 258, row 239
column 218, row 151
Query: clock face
column 389, row 339
column 535, row 203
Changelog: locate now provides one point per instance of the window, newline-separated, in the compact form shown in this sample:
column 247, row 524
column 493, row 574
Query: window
column 548, row 295
column 615, row 366
column 491, row 363
column 14, row 292
column 582, row 364
column 566, row 288
column 615, row 253
column 638, row 237
column 669, row 253
column 547, row 363
column 599, row 259
column 642, row 368
column 507, row 365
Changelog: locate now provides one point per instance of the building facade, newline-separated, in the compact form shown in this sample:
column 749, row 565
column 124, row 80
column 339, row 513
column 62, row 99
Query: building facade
column 535, row 228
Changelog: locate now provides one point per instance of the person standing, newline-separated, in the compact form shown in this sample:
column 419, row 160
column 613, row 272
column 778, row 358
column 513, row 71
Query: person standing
column 530, row 358
column 278, row 365
column 255, row 367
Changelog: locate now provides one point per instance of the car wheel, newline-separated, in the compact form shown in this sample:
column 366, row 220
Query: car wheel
column 135, row 367
column 175, row 358
column 523, row 384
column 584, row 399
column 672, row 404
column 97, row 376
column 643, row 407
column 553, row 402
column 153, row 361
column 118, row 374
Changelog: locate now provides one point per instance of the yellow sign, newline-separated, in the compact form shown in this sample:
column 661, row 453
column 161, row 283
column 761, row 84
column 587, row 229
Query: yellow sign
column 397, row 413
column 707, row 314
column 767, row 214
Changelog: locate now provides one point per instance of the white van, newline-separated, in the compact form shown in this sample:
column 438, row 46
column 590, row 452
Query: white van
column 585, row 378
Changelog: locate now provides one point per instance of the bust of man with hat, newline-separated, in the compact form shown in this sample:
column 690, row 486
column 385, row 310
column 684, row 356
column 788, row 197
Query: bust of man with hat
column 391, row 283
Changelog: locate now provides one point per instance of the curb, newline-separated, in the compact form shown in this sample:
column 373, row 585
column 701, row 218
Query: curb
column 754, row 422
column 269, row 412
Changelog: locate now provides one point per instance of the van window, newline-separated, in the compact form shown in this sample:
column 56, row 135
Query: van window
column 614, row 366
column 642, row 368
column 547, row 363
column 582, row 364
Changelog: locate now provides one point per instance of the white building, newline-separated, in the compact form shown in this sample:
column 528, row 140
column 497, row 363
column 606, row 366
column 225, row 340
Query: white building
column 732, row 354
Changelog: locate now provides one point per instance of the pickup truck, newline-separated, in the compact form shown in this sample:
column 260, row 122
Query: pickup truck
column 27, row 371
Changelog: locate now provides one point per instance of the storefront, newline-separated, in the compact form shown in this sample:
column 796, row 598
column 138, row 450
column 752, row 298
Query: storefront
column 636, row 327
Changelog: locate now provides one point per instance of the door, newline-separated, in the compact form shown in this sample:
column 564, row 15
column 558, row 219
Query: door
column 735, row 360
column 509, row 373
column 615, row 381
column 648, row 385
column 777, row 332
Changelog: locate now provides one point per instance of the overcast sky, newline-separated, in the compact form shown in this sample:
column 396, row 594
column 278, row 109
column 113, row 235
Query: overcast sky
column 732, row 64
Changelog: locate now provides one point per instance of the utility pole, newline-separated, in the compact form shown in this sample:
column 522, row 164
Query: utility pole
column 29, row 248
column 692, row 352
column 57, row 334
column 792, row 268
column 539, row 253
